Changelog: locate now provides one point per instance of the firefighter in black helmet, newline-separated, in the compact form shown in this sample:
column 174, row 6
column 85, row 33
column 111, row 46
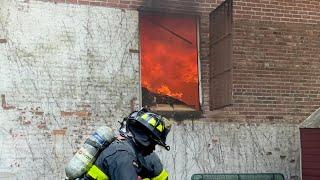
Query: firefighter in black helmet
column 132, row 157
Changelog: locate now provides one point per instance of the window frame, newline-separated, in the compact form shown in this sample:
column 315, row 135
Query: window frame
column 178, row 115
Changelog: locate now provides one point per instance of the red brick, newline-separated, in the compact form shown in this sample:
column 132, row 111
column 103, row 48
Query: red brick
column 84, row 2
column 113, row 1
column 3, row 41
column 59, row 132
column 95, row 3
column 59, row 1
column 72, row 1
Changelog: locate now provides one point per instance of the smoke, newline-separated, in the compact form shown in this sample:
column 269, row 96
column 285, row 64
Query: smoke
column 174, row 6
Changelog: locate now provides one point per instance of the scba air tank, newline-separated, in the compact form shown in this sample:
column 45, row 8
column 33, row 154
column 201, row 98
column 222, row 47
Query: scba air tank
column 87, row 154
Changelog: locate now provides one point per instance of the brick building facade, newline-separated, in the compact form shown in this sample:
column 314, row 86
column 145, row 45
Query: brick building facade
column 58, row 84
column 275, row 53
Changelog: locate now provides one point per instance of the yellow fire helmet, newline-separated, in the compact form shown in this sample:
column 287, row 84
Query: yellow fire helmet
column 158, row 126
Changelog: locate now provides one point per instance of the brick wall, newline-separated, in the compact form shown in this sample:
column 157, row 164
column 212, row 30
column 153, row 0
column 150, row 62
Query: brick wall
column 200, row 8
column 276, row 60
column 275, row 55
column 289, row 11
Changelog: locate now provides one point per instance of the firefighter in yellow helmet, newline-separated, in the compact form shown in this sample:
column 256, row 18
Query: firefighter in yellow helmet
column 132, row 157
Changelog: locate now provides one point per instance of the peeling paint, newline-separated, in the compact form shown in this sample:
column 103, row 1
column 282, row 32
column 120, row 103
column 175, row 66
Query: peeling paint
column 4, row 104
column 71, row 75
column 76, row 114
column 2, row 41
column 61, row 132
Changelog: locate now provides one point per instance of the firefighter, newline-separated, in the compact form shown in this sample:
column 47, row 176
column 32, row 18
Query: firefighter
column 154, row 168
column 132, row 157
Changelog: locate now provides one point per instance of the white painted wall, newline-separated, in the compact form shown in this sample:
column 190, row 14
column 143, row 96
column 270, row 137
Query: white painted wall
column 61, row 58
column 233, row 148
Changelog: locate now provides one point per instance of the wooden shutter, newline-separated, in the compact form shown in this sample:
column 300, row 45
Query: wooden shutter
column 310, row 153
column 221, row 55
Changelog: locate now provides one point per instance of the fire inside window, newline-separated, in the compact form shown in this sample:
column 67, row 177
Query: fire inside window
column 169, row 59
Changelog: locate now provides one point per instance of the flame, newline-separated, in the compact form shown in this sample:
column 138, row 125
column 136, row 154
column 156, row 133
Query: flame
column 169, row 56
column 192, row 76
column 147, row 85
column 166, row 91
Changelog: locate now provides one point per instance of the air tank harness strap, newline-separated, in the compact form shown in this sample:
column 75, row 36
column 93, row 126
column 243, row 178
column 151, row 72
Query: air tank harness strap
column 93, row 143
column 95, row 173
column 164, row 175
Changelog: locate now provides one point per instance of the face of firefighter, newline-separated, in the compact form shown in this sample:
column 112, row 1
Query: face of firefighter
column 146, row 150
column 145, row 143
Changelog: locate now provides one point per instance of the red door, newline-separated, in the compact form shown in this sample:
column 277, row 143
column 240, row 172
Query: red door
column 310, row 153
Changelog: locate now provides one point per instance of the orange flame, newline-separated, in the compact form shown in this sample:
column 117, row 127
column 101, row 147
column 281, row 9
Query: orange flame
column 166, row 91
column 147, row 85
column 169, row 56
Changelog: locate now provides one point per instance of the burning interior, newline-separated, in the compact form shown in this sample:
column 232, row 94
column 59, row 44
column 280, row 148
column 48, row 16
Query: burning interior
column 169, row 59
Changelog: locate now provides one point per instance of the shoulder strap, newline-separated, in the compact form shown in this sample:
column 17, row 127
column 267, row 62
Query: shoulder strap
column 96, row 174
